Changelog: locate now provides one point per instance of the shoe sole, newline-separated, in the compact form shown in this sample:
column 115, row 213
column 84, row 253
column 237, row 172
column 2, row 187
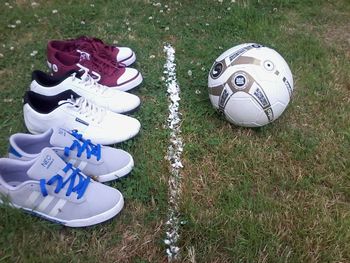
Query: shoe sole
column 116, row 174
column 78, row 222
column 130, row 112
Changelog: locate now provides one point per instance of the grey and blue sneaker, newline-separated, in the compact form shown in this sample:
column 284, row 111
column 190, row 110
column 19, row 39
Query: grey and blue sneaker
column 102, row 163
column 54, row 190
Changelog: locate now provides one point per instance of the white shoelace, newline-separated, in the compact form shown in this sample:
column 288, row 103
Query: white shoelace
column 85, row 108
column 89, row 82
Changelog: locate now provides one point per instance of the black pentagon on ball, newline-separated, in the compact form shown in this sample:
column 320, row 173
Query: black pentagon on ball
column 216, row 70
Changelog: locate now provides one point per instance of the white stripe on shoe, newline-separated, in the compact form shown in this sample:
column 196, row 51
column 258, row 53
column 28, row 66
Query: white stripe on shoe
column 82, row 165
column 45, row 203
column 58, row 207
column 32, row 198
column 78, row 163
column 72, row 161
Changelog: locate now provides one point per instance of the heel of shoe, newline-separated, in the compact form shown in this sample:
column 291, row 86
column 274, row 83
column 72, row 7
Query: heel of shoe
column 49, row 65
column 30, row 126
column 52, row 67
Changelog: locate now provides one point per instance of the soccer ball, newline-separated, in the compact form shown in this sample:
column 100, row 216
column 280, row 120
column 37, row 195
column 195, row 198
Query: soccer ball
column 251, row 84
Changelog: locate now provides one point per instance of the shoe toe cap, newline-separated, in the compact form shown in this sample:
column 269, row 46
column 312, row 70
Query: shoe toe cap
column 125, row 103
column 129, row 75
column 116, row 159
column 123, row 54
column 122, row 127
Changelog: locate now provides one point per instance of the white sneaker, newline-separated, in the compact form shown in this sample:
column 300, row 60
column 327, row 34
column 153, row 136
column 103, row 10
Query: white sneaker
column 84, row 85
column 102, row 163
column 56, row 191
column 69, row 111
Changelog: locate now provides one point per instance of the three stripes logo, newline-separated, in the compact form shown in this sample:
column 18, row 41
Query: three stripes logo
column 50, row 205
column 78, row 163
column 55, row 203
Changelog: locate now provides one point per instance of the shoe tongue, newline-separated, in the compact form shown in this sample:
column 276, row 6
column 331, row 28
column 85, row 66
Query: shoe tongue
column 46, row 165
column 83, row 55
column 61, row 138
column 80, row 74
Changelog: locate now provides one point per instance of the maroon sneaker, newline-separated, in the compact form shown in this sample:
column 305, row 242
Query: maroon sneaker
column 102, row 70
column 92, row 46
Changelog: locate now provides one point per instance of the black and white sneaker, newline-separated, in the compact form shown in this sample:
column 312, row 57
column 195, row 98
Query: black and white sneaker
column 70, row 111
column 84, row 85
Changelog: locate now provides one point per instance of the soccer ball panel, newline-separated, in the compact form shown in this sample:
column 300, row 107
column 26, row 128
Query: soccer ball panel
column 214, row 101
column 243, row 110
column 233, row 50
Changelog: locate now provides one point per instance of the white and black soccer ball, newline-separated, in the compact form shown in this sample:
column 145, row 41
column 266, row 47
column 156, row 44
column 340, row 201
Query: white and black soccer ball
column 251, row 84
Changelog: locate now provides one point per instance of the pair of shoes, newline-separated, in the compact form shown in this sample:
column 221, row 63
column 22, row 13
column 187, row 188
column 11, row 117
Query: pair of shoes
column 107, row 64
column 72, row 112
column 85, row 86
column 45, row 177
column 102, row 163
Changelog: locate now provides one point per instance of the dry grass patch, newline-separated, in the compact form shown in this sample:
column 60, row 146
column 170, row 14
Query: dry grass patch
column 138, row 240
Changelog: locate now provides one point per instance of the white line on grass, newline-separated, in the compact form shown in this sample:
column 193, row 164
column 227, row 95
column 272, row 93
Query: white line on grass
column 174, row 154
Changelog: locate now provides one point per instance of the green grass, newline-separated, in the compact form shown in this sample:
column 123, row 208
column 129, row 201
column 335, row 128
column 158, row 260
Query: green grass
column 279, row 193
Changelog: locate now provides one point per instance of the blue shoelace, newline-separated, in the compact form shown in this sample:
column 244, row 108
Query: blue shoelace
column 79, row 188
column 83, row 145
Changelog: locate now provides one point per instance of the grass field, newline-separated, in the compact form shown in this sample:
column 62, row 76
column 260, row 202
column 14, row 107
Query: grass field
column 280, row 193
